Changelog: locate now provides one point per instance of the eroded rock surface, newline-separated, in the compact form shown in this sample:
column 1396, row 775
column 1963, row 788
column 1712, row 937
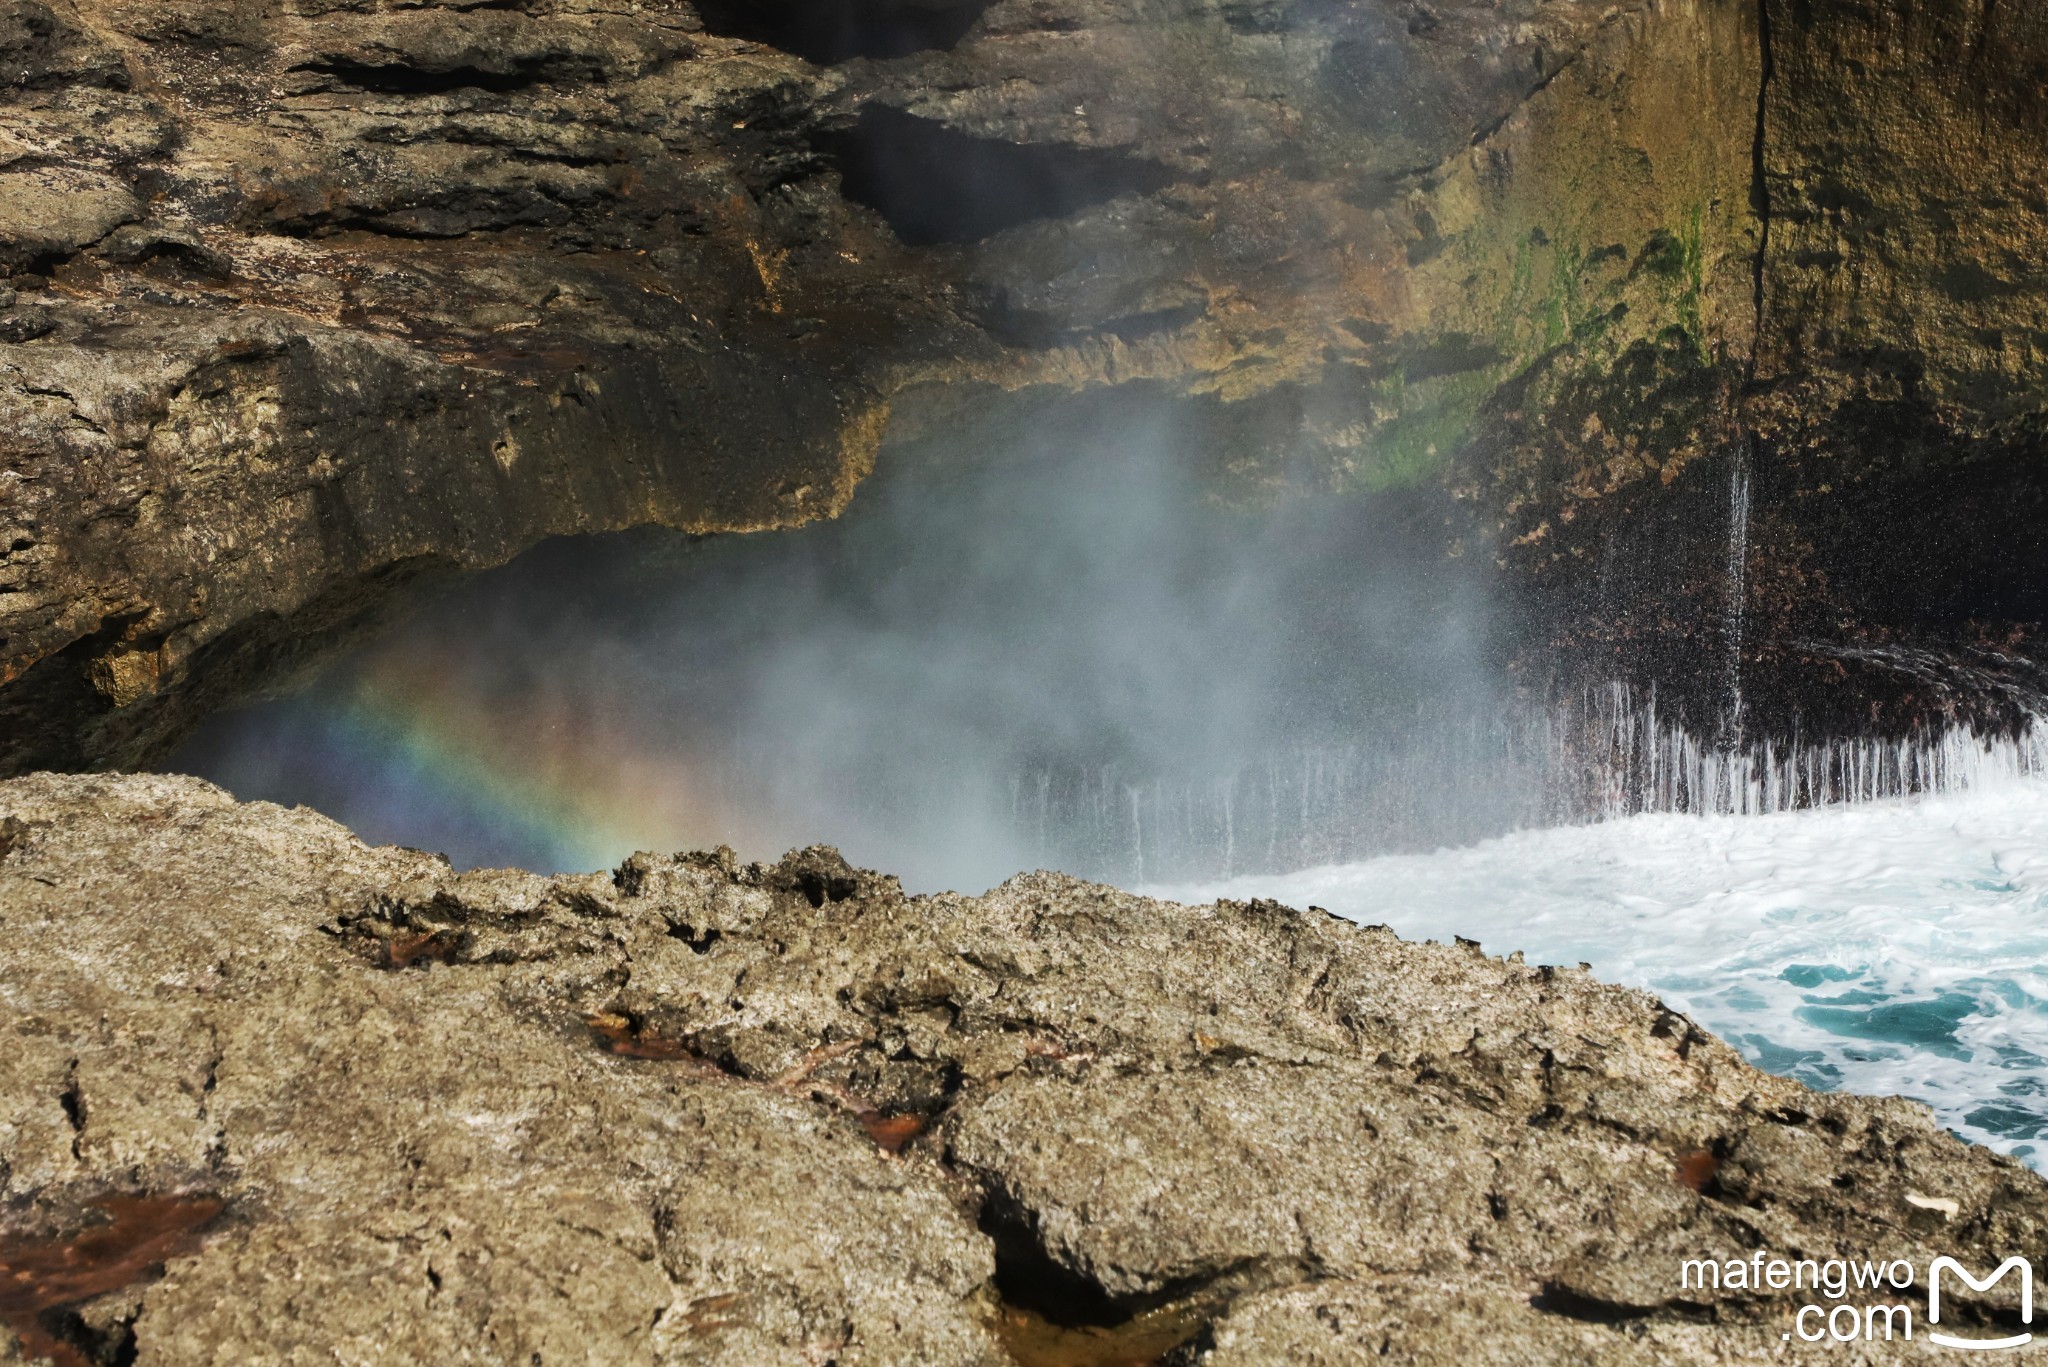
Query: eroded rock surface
column 304, row 302
column 691, row 1111
column 299, row 303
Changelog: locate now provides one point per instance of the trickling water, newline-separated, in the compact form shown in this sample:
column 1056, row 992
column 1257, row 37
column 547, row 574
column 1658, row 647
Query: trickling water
column 1736, row 585
column 1137, row 835
column 1971, row 674
column 1629, row 760
column 1604, row 755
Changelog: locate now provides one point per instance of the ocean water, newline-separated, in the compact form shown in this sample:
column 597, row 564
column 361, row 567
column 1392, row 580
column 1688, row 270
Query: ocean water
column 1897, row 947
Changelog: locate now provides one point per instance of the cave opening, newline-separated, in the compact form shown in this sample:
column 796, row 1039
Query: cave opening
column 1037, row 638
column 1051, row 632
column 832, row 31
column 1040, row 638
column 1377, row 502
column 935, row 184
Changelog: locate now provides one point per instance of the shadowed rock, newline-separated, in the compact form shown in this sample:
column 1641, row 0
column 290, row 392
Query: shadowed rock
column 299, row 309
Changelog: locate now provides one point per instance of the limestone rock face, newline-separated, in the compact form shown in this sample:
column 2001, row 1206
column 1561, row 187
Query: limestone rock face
column 308, row 301
column 1903, row 366
column 303, row 303
column 1884, row 415
column 690, row 1111
column 1909, row 228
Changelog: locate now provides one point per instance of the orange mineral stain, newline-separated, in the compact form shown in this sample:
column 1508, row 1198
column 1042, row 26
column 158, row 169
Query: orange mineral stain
column 892, row 1132
column 1696, row 1169
column 621, row 1036
column 140, row 1234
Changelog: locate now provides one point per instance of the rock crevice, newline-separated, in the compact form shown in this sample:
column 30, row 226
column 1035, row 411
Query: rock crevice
column 521, row 1111
column 395, row 286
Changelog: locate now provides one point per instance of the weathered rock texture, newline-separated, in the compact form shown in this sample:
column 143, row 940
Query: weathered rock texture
column 303, row 301
column 1887, row 397
column 695, row 1112
column 311, row 299
column 1902, row 412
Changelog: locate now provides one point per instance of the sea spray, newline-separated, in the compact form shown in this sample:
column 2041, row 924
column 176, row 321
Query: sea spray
column 1893, row 947
column 1444, row 779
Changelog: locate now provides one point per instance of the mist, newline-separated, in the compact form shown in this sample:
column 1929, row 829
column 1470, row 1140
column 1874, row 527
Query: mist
column 1039, row 640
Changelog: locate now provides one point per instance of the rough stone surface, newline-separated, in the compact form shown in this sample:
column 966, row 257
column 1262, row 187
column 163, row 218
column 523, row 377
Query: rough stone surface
column 1886, row 407
column 305, row 302
column 696, row 1112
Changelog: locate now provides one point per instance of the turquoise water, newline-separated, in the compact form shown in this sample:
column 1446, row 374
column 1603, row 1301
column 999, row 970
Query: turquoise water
column 1896, row 947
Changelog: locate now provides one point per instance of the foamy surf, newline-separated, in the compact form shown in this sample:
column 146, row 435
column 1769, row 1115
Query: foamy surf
column 1894, row 947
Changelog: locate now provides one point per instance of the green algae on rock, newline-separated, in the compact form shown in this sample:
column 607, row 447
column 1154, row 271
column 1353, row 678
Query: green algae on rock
column 302, row 308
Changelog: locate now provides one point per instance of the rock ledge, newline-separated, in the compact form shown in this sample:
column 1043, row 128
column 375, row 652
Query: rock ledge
column 694, row 1111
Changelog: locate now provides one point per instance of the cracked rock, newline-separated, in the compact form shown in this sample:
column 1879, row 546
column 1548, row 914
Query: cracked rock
column 695, row 1110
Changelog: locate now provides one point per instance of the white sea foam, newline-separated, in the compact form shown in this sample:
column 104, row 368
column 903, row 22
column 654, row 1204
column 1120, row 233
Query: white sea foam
column 1892, row 947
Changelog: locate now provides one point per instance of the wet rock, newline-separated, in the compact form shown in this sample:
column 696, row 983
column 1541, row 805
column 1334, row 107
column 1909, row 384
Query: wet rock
column 1888, row 399
column 350, row 300
column 697, row 1110
column 345, row 301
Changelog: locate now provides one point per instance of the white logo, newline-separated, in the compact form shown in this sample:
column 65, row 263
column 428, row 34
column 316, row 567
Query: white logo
column 2026, row 1271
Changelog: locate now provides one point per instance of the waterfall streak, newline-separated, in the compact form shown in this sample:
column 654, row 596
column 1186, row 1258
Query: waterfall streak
column 1737, row 586
column 1602, row 755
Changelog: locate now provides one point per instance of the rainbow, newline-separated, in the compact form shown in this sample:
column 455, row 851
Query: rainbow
column 572, row 786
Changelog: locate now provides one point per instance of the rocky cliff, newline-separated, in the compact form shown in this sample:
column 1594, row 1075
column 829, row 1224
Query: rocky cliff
column 1881, row 410
column 306, row 301
column 269, row 1095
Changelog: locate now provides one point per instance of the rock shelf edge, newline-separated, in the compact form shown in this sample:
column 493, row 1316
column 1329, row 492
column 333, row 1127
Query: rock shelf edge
column 692, row 1110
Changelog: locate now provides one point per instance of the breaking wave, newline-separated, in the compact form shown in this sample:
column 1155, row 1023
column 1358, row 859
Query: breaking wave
column 1882, row 945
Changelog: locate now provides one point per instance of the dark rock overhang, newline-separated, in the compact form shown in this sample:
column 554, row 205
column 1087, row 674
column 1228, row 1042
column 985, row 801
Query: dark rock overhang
column 302, row 307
